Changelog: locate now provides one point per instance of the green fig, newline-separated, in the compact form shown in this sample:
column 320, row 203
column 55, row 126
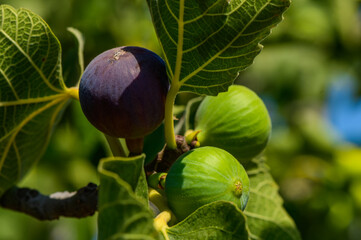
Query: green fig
column 236, row 121
column 204, row 175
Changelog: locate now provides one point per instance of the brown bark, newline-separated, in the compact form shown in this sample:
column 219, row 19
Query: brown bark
column 79, row 204
column 167, row 157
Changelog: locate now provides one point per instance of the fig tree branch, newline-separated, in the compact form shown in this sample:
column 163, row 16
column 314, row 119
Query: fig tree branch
column 167, row 156
column 79, row 204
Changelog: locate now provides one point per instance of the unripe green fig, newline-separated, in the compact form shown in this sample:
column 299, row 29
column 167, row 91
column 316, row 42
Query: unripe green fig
column 204, row 175
column 236, row 121
column 122, row 92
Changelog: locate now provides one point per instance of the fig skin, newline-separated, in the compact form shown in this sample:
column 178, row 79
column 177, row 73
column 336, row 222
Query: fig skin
column 122, row 92
column 236, row 121
column 204, row 175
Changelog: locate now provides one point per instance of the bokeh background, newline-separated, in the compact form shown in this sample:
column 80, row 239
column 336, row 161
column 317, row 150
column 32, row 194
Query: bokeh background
column 308, row 74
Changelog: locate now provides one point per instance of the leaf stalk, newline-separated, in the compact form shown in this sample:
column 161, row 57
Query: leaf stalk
column 168, row 118
column 161, row 223
column 73, row 92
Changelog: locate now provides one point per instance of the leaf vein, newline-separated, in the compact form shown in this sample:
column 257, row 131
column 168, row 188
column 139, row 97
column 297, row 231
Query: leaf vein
column 202, row 15
column 31, row 100
column 238, row 56
column 208, row 86
column 30, row 33
column 165, row 29
column 31, row 62
column 10, row 84
column 221, row 70
column 206, row 39
column 16, row 130
column 226, row 47
column 200, row 229
column 170, row 11
column 178, row 63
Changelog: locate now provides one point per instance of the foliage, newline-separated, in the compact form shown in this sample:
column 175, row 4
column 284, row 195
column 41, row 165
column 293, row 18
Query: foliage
column 32, row 91
column 270, row 221
column 319, row 179
column 311, row 60
column 25, row 36
column 123, row 200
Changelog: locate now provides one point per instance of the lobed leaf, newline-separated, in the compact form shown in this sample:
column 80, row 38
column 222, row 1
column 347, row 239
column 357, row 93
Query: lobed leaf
column 122, row 204
column 217, row 220
column 206, row 42
column 32, row 91
column 266, row 217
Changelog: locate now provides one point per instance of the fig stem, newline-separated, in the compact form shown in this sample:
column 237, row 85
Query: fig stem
column 135, row 146
column 159, row 200
column 161, row 223
column 168, row 118
column 115, row 146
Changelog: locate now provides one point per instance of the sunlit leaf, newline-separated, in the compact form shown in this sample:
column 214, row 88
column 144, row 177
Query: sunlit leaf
column 206, row 43
column 32, row 91
column 266, row 217
column 217, row 220
column 123, row 209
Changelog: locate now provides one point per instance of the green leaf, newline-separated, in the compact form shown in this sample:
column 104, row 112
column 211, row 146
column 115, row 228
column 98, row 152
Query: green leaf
column 153, row 143
column 130, row 170
column 79, row 65
column 32, row 91
column 206, row 43
column 217, row 220
column 190, row 112
column 266, row 217
column 123, row 204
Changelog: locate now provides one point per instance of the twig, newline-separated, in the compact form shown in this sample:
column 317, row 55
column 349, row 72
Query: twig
column 79, row 204
column 166, row 157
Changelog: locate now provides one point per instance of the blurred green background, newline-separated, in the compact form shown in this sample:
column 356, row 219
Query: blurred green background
column 308, row 74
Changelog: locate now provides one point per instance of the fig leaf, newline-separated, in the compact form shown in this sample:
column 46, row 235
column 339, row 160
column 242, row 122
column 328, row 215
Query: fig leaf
column 217, row 220
column 32, row 91
column 153, row 143
column 74, row 64
column 206, row 43
column 266, row 217
column 123, row 202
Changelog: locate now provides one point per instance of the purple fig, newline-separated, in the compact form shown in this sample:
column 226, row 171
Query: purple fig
column 122, row 92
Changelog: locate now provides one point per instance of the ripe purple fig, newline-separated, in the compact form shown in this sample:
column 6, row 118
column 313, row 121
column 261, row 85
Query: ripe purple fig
column 122, row 92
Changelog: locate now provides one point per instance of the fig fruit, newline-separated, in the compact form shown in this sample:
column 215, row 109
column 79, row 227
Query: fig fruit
column 122, row 92
column 204, row 175
column 236, row 121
